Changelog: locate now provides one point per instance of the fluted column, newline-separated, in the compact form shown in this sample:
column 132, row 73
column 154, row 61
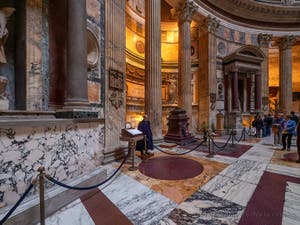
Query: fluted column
column 235, row 92
column 184, row 14
column 207, row 70
column 264, row 41
column 285, row 73
column 258, row 92
column 76, row 85
column 153, row 95
column 252, row 92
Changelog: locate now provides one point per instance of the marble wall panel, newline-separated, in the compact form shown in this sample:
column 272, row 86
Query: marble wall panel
column 66, row 151
column 34, row 54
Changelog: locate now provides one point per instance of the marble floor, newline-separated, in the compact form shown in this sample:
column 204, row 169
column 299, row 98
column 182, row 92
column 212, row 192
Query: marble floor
column 257, row 188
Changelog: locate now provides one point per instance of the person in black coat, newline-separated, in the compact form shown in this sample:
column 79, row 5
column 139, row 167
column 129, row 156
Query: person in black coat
column 258, row 123
column 144, row 126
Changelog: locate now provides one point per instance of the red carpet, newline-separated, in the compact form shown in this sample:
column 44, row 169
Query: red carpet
column 170, row 168
column 266, row 204
column 102, row 210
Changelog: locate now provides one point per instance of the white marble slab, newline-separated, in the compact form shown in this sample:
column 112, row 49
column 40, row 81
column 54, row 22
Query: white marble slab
column 204, row 208
column 74, row 214
column 139, row 203
column 284, row 170
column 291, row 210
column 231, row 189
column 245, row 170
column 259, row 153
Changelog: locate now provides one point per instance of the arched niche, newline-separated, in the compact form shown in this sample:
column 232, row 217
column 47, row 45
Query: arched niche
column 93, row 50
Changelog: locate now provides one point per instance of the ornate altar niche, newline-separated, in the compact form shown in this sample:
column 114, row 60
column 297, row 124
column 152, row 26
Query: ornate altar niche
column 178, row 127
column 243, row 86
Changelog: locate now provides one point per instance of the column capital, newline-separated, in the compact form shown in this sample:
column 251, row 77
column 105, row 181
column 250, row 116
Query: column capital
column 210, row 25
column 185, row 11
column 264, row 40
column 286, row 42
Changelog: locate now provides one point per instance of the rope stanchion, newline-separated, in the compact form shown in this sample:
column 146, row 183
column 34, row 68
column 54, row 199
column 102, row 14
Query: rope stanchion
column 183, row 153
column 86, row 188
column 239, row 139
column 223, row 146
column 3, row 220
column 232, row 138
column 210, row 147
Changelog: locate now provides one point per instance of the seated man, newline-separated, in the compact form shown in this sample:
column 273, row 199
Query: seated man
column 144, row 126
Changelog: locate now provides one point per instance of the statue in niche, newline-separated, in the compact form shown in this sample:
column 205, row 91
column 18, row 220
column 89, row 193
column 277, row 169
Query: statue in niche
column 220, row 91
column 4, row 14
column 172, row 91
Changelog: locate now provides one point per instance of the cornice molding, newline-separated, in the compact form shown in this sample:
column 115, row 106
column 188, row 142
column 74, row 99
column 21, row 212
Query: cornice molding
column 255, row 14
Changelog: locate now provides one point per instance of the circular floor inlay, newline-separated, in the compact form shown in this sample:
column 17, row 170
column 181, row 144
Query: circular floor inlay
column 291, row 156
column 170, row 168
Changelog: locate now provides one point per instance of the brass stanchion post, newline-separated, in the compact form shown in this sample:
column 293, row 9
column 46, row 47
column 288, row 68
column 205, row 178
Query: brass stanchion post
column 210, row 154
column 41, row 170
column 132, row 149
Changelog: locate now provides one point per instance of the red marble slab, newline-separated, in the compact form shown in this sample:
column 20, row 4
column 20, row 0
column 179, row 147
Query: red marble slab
column 102, row 210
column 266, row 204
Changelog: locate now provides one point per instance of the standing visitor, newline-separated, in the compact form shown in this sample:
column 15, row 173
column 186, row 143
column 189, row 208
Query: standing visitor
column 144, row 126
column 294, row 117
column 258, row 124
column 287, row 132
column 277, row 128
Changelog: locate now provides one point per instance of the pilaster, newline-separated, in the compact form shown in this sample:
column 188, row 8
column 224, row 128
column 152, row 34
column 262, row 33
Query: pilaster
column 115, row 59
column 208, row 70
column 264, row 42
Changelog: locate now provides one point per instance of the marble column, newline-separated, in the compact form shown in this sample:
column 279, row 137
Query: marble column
column 285, row 73
column 57, row 20
column 245, row 97
column 252, row 92
column 153, row 81
column 207, row 69
column 264, row 42
column 229, row 91
column 235, row 92
column 184, row 14
column 258, row 92
column 76, row 84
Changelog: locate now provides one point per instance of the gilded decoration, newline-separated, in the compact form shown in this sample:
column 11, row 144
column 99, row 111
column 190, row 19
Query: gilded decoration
column 140, row 47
